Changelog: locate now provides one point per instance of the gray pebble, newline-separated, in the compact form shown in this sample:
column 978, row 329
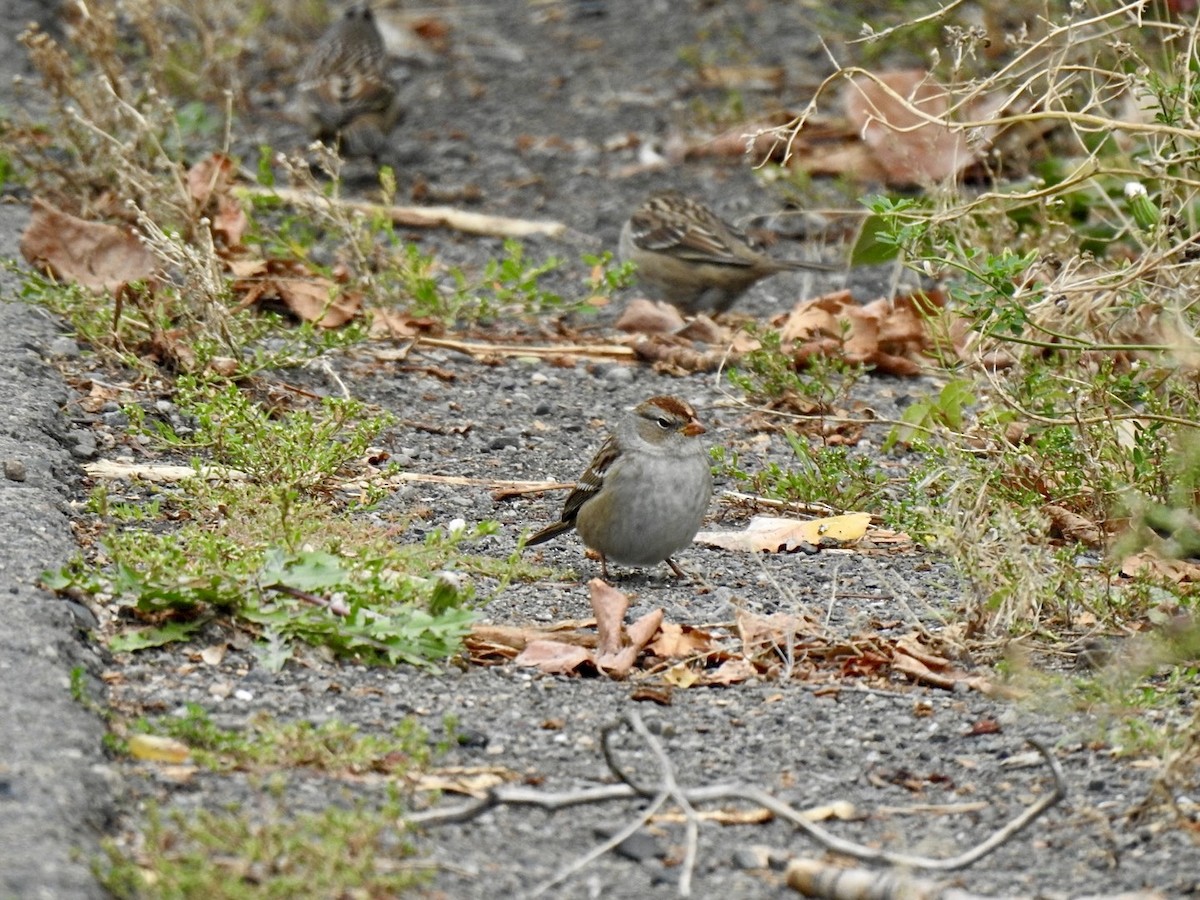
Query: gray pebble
column 64, row 346
column 639, row 846
column 503, row 441
column 752, row 857
column 14, row 470
column 85, row 445
column 618, row 375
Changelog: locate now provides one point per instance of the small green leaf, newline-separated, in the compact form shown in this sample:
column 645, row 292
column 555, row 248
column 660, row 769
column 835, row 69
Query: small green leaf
column 144, row 638
column 869, row 249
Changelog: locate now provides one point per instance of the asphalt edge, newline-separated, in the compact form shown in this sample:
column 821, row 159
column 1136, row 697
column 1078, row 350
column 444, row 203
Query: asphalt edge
column 57, row 788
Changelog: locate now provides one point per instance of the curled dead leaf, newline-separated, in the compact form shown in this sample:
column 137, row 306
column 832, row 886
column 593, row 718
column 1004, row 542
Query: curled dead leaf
column 670, row 354
column 1177, row 570
column 609, row 606
column 306, row 295
column 92, row 254
column 889, row 334
column 1073, row 527
column 676, row 641
column 732, row 671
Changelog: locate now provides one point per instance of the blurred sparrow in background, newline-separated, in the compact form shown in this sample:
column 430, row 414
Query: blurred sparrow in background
column 645, row 493
column 693, row 258
column 346, row 89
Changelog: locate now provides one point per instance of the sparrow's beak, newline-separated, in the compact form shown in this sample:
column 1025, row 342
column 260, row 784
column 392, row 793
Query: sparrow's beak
column 693, row 428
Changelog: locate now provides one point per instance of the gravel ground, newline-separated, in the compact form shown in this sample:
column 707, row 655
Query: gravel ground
column 489, row 113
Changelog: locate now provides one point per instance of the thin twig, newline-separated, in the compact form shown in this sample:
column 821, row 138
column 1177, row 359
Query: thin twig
column 689, row 798
column 483, row 349
column 418, row 216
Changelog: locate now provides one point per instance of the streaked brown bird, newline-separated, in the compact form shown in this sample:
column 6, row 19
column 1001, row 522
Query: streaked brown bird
column 346, row 88
column 695, row 259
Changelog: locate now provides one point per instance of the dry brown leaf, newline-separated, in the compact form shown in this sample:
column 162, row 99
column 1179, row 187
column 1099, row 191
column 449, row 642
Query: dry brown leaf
column 642, row 316
column 759, row 633
column 681, row 641
column 844, row 155
column 229, row 221
column 210, row 177
column 209, row 182
column 311, row 301
column 703, row 329
column 433, row 29
column 668, row 353
column 390, row 323
column 246, row 267
column 609, row 606
column 910, row 644
column 638, row 635
column 910, row 149
column 92, row 254
column 732, row 671
column 770, row 534
column 617, row 647
column 308, row 296
column 755, row 78
column 911, row 658
column 517, row 637
column 1178, row 570
column 554, row 657
column 881, row 537
column 662, row 694
column 1073, row 527
column 890, row 335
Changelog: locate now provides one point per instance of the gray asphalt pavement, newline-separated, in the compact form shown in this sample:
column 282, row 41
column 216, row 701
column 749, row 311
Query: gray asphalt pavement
column 56, row 787
column 55, row 784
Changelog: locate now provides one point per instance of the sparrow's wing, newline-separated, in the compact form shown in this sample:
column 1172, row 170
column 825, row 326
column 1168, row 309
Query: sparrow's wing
column 671, row 223
column 591, row 481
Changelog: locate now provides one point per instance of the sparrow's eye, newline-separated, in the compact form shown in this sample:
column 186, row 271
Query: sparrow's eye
column 663, row 422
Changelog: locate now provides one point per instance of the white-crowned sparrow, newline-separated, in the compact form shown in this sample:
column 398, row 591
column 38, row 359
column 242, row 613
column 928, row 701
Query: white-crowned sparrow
column 645, row 493
column 346, row 89
column 693, row 258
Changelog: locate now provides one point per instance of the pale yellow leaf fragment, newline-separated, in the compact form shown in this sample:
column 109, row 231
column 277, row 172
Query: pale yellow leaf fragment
column 154, row 748
column 680, row 675
column 771, row 534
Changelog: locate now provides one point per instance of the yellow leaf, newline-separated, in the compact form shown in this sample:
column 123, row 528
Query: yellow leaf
column 158, row 749
column 680, row 675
